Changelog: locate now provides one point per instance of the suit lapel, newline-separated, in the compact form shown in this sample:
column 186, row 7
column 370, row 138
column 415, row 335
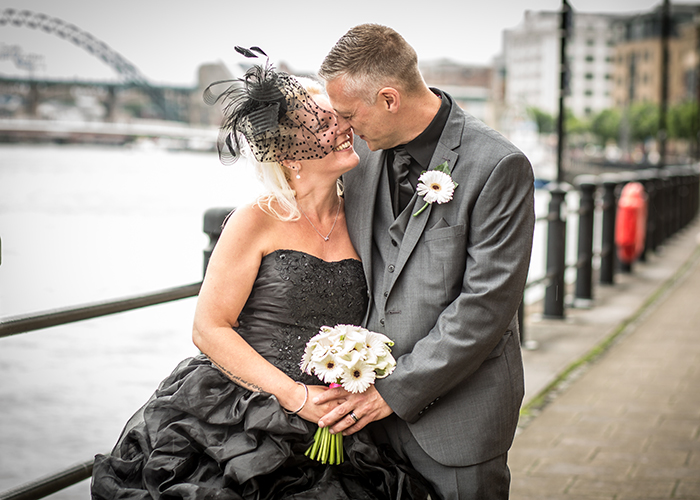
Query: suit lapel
column 450, row 140
column 365, row 185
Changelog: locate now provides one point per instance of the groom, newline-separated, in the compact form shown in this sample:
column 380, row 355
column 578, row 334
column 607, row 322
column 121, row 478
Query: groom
column 445, row 283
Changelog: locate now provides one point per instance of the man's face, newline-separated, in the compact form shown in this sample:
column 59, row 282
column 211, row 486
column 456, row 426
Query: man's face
column 370, row 122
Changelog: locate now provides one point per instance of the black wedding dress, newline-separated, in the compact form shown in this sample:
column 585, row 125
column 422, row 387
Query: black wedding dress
column 201, row 436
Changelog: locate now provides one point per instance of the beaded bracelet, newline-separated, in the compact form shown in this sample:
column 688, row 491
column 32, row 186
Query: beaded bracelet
column 306, row 397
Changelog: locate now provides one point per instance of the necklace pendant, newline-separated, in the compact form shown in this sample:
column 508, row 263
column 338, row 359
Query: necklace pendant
column 327, row 237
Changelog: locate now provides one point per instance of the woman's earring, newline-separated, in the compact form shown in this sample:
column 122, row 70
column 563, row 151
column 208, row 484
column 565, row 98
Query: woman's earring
column 297, row 171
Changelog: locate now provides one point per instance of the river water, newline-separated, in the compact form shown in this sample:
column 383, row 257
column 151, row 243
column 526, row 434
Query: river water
column 81, row 224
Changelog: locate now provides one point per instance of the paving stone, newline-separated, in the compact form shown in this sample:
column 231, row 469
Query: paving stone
column 658, row 457
column 688, row 488
column 571, row 468
column 531, row 485
column 656, row 488
column 671, row 473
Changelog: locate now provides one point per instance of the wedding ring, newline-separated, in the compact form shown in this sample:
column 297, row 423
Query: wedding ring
column 353, row 416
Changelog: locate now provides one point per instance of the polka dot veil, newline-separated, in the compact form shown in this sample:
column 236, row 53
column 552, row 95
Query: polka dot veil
column 273, row 113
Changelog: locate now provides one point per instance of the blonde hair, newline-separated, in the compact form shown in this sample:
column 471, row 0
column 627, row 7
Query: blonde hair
column 370, row 57
column 280, row 199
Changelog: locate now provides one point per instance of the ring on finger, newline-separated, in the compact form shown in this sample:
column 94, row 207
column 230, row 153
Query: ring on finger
column 353, row 416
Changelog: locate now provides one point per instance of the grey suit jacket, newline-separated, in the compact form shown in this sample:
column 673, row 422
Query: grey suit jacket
column 450, row 299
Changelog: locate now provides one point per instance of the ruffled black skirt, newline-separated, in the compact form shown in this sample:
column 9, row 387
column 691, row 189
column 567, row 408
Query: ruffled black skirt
column 201, row 436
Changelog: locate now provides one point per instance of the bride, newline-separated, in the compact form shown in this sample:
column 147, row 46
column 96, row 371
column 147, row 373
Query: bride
column 235, row 421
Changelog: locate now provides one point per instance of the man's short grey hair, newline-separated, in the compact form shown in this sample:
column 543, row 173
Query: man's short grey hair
column 370, row 57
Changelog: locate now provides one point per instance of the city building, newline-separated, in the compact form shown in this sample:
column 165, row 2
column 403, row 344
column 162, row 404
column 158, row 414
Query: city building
column 468, row 84
column 638, row 57
column 532, row 69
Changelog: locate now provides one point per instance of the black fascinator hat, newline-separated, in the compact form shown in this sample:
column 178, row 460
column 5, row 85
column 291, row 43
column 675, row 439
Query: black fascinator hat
column 273, row 113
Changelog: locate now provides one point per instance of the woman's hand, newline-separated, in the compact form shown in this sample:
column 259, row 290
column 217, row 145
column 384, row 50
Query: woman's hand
column 313, row 411
column 351, row 412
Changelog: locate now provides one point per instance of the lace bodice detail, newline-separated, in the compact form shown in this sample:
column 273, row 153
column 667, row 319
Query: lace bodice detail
column 294, row 295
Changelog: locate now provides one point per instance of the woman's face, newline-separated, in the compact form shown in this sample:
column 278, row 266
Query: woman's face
column 342, row 157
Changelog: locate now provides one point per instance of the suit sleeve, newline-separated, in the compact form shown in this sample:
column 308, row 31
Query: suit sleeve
column 499, row 241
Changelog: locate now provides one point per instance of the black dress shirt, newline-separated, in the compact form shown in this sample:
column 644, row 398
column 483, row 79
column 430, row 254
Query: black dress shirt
column 422, row 147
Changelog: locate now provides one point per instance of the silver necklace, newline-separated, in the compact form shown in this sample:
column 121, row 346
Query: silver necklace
column 327, row 237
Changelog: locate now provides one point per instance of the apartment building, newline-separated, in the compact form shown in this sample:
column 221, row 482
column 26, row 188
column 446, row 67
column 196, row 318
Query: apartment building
column 638, row 57
column 531, row 62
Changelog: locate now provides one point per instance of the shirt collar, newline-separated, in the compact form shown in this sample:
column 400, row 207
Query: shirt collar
column 422, row 147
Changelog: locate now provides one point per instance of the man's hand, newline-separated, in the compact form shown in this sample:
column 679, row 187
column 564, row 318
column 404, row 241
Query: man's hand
column 366, row 407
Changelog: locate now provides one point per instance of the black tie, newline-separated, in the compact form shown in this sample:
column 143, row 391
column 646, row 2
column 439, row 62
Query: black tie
column 403, row 191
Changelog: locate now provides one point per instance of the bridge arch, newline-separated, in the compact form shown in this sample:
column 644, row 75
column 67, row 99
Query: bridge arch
column 87, row 42
column 76, row 36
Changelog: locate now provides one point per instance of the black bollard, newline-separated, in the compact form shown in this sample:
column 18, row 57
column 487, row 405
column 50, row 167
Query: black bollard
column 686, row 195
column 607, row 251
column 685, row 181
column 648, row 179
column 694, row 191
column 587, row 185
column 556, row 252
column 665, row 203
column 676, row 197
column 213, row 225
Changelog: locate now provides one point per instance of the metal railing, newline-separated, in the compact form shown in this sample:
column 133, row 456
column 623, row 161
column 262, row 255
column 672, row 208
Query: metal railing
column 13, row 325
column 672, row 203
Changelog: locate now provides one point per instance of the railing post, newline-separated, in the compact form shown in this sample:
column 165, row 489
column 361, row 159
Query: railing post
column 556, row 252
column 676, row 199
column 664, row 205
column 695, row 191
column 686, row 176
column 213, row 225
column 648, row 179
column 607, row 252
column 587, row 185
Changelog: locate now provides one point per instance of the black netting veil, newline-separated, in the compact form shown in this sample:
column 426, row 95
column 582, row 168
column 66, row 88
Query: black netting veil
column 273, row 113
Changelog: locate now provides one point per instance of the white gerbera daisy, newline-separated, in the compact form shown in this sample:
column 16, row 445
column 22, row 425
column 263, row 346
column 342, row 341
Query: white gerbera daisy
column 357, row 378
column 435, row 185
column 328, row 369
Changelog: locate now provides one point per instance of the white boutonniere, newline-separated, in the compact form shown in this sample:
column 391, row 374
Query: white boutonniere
column 435, row 185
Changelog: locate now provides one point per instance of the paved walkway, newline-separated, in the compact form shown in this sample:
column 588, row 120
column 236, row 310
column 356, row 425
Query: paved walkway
column 626, row 423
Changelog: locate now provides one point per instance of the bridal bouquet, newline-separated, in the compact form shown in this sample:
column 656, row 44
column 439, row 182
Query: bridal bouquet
column 347, row 356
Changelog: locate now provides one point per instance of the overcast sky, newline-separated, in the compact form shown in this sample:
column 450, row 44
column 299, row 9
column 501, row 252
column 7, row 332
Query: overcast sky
column 168, row 40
